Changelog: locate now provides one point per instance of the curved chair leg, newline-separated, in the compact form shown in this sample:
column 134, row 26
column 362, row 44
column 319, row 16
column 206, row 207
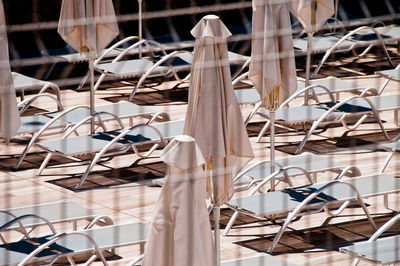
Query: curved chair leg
column 44, row 164
column 230, row 223
column 88, row 169
column 386, row 162
column 248, row 118
column 53, row 87
column 313, row 195
column 261, row 134
column 98, row 82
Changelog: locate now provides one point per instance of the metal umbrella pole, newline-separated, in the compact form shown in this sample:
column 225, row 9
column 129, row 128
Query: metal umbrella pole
column 140, row 27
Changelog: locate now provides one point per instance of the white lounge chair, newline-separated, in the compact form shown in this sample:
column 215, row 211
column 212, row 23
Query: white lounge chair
column 24, row 83
column 50, row 248
column 110, row 143
column 299, row 201
column 156, row 62
column 306, row 164
column 383, row 250
column 349, row 43
column 57, row 122
column 323, row 86
column 26, row 219
column 295, row 165
column 350, row 113
column 57, row 212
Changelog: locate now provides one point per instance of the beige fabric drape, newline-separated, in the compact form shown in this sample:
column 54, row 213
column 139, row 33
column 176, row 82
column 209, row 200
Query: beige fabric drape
column 88, row 25
column 213, row 116
column 312, row 14
column 180, row 232
column 272, row 66
column 9, row 115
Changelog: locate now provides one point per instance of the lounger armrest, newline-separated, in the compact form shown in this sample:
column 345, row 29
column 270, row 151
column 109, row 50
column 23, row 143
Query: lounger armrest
column 279, row 171
column 355, row 171
column 114, row 47
column 384, row 227
column 152, row 68
column 25, row 104
column 101, row 219
column 19, row 220
column 164, row 115
column 88, row 118
column 344, row 38
column 60, row 237
column 307, row 90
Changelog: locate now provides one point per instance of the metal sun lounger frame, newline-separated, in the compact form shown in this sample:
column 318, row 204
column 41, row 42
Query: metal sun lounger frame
column 335, row 43
column 151, row 65
column 315, row 198
column 111, row 143
column 295, row 165
column 334, row 112
column 394, row 147
column 339, row 47
column 306, row 164
column 250, row 96
column 375, row 249
column 50, row 248
column 144, row 67
column 57, row 212
column 24, row 83
column 31, row 125
column 66, row 118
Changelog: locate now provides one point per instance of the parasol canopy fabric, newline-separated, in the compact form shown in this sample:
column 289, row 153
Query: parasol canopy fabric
column 88, row 25
column 213, row 116
column 312, row 14
column 180, row 233
column 9, row 115
column 272, row 66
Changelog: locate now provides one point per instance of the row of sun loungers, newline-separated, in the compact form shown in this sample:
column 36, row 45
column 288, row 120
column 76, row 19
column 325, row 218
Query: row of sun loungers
column 69, row 245
column 287, row 204
column 317, row 115
column 94, row 241
column 290, row 202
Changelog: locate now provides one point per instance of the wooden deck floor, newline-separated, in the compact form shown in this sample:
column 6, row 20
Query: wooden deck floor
column 125, row 192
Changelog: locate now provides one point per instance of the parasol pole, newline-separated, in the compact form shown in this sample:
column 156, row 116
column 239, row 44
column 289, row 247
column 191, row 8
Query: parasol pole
column 215, row 209
column 216, row 215
column 336, row 11
column 91, row 54
column 308, row 61
column 272, row 148
column 310, row 33
column 140, row 27
column 91, row 69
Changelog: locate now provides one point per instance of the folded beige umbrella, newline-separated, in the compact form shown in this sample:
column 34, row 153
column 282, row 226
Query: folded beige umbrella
column 88, row 26
column 312, row 14
column 272, row 66
column 9, row 115
column 180, row 232
column 213, row 116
